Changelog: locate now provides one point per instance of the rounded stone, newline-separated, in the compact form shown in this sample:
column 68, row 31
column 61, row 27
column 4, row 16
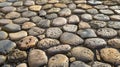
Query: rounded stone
column 110, row 55
column 107, row 11
column 37, row 55
column 17, row 55
column 36, row 19
column 35, row 31
column 47, row 43
column 29, row 14
column 72, row 6
column 107, row 32
column 44, row 23
column 42, row 12
column 58, row 60
column 82, row 53
column 114, row 24
column 59, row 49
column 53, row 32
column 86, row 17
column 65, row 12
column 28, row 25
column 87, row 33
column 54, row 10
column 12, row 15
column 22, row 9
column 70, row 28
column 48, row 6
column 5, row 21
column 60, row 21
column 60, row 5
column 12, row 27
column 8, row 9
column 22, row 65
column 73, row 19
column 97, row 24
column 95, row 43
column 21, row 20
column 3, row 35
column 4, row 4
column 70, row 38
column 2, row 59
column 27, row 42
column 18, row 3
column 17, row 35
column 101, row 6
column 40, row 2
column 6, row 46
column 92, row 11
column 115, row 17
column 100, row 64
column 51, row 16
column 35, row 8
column 101, row 17
column 79, row 11
column 114, row 42
column 83, row 25
column 29, row 3
column 78, row 64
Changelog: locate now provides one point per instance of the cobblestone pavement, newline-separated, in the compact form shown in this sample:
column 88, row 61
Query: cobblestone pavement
column 59, row 33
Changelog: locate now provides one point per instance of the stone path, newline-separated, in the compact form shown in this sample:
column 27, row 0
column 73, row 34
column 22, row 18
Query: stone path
column 59, row 33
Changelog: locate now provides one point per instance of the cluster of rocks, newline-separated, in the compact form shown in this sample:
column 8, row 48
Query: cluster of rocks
column 59, row 33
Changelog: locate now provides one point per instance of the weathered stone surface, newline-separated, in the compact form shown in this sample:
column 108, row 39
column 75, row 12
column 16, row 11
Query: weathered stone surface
column 17, row 35
column 107, row 32
column 29, row 14
column 87, row 33
column 12, row 27
column 4, row 4
column 22, row 65
column 83, row 25
column 108, row 12
column 3, row 35
column 27, row 42
column 70, row 38
column 58, row 61
column 20, row 20
column 12, row 15
column 92, row 11
column 97, row 24
column 73, row 19
column 82, row 53
column 110, row 55
column 35, row 8
column 53, row 32
column 114, row 42
column 28, row 25
column 2, row 59
column 17, row 55
column 79, row 64
column 18, row 3
column 29, row 3
column 100, row 64
column 101, row 17
column 8, row 9
column 37, row 58
column 70, row 28
column 95, row 43
column 114, row 24
column 47, row 43
column 60, row 21
column 44, row 23
column 34, row 31
column 5, row 21
column 65, row 12
column 6, row 46
column 59, row 49
column 115, row 17
column 86, row 17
